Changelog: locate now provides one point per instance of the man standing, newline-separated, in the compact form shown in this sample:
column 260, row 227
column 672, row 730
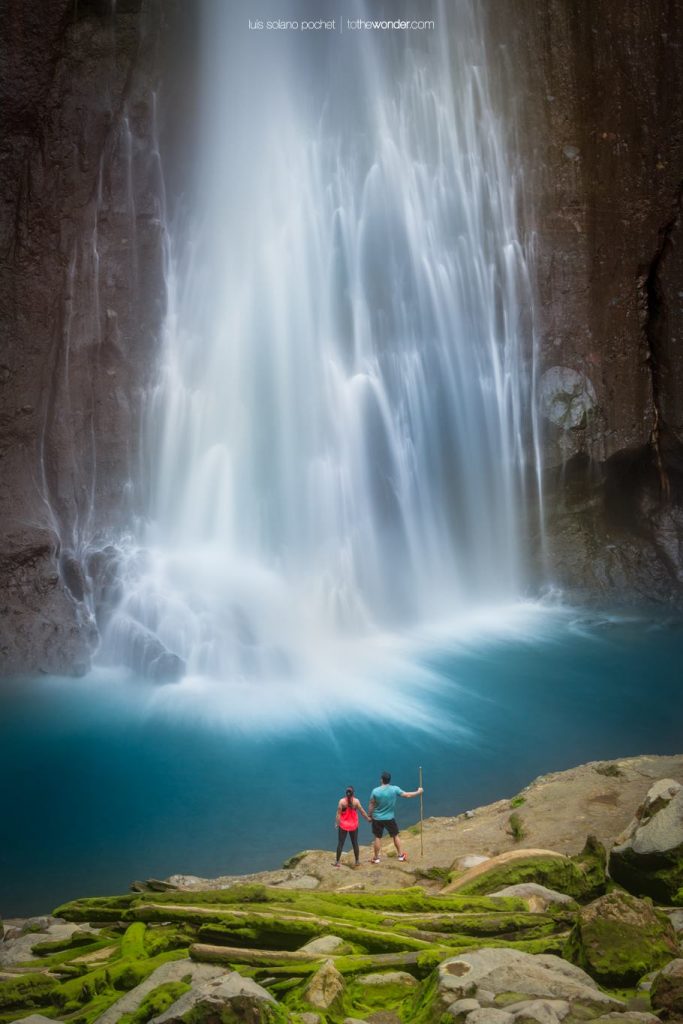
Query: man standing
column 382, row 810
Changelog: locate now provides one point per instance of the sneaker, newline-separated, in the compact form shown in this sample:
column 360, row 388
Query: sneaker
column 375, row 860
column 403, row 856
column 336, row 864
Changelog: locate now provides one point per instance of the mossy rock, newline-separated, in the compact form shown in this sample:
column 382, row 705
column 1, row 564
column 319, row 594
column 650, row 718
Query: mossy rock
column 156, row 1002
column 26, row 992
column 72, row 942
column 619, row 938
column 582, row 877
column 657, row 874
column 649, row 862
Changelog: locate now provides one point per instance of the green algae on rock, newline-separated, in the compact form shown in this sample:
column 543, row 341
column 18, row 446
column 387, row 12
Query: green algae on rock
column 582, row 876
column 618, row 938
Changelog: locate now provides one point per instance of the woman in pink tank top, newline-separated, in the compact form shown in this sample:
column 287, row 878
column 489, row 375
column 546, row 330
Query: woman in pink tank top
column 347, row 824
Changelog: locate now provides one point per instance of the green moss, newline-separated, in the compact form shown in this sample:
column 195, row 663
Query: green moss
column 424, row 1005
column 60, row 960
column 133, row 942
column 368, row 998
column 162, row 938
column 156, row 1002
column 434, row 874
column 623, row 940
column 209, row 897
column 59, row 945
column 504, row 925
column 612, row 771
column 582, row 877
column 96, row 908
column 517, row 801
column 659, row 876
column 26, row 992
column 416, row 900
column 516, row 827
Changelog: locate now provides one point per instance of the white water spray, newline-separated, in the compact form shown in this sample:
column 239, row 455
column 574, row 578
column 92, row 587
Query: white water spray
column 338, row 444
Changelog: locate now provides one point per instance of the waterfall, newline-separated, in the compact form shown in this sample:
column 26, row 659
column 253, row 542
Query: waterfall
column 341, row 438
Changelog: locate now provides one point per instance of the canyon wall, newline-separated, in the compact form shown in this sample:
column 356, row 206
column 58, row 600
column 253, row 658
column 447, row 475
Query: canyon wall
column 601, row 134
column 82, row 296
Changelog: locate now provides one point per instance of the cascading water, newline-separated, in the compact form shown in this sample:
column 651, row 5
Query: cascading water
column 339, row 442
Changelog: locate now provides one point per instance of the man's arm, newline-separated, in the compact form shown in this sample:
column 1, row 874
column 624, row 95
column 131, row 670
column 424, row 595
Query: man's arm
column 371, row 807
column 416, row 793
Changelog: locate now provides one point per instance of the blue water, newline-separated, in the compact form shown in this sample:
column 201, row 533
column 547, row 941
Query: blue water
column 102, row 784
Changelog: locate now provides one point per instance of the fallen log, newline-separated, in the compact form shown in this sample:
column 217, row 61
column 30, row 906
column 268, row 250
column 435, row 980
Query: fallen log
column 279, row 958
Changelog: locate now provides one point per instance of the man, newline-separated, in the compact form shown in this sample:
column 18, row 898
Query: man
column 382, row 809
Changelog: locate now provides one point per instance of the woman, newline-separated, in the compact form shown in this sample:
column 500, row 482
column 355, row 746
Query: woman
column 347, row 823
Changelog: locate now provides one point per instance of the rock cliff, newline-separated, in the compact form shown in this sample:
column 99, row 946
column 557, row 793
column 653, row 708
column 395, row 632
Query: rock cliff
column 82, row 294
column 602, row 144
column 83, row 89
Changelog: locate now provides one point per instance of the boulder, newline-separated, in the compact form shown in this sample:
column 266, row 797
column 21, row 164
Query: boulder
column 581, row 877
column 618, row 938
column 540, row 1011
column 224, row 998
column 537, row 897
column 676, row 918
column 385, row 978
column 489, row 1015
column 459, row 1008
column 36, row 1018
column 174, row 970
column 666, row 994
column 649, row 860
column 325, row 988
column 509, row 976
column 325, row 945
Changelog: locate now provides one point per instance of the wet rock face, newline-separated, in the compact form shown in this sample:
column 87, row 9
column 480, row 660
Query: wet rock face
column 81, row 300
column 602, row 147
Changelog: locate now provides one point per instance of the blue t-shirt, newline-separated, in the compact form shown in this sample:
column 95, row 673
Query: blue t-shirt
column 385, row 801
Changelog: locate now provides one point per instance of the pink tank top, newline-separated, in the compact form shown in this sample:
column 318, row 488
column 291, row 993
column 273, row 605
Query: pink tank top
column 348, row 819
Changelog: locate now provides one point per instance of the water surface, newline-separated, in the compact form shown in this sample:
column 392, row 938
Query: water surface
column 107, row 780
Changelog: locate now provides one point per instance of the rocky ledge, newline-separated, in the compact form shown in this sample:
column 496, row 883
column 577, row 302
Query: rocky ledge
column 483, row 928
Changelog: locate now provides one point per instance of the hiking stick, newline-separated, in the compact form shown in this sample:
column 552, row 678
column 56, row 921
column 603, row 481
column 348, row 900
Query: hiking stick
column 421, row 843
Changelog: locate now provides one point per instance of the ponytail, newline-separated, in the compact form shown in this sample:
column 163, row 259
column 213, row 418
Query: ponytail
column 350, row 795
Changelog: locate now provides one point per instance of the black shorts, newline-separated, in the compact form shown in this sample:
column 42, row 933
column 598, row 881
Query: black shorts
column 389, row 824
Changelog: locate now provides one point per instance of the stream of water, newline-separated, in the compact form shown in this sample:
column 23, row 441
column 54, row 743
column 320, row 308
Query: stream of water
column 343, row 437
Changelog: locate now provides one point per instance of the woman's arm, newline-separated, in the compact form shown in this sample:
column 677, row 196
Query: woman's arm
column 338, row 815
column 359, row 807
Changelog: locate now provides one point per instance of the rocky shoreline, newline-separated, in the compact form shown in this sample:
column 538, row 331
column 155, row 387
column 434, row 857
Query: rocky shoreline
column 563, row 903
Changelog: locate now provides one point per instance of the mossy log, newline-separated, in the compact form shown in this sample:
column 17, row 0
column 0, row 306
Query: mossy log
column 250, row 927
column 205, row 953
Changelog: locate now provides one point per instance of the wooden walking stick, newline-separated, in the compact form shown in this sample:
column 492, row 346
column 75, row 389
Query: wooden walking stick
column 421, row 843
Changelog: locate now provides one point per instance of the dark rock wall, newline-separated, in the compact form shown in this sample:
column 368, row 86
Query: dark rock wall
column 82, row 249
column 602, row 139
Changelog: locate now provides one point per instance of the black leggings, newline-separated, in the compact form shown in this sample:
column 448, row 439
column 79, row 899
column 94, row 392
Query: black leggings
column 342, row 839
